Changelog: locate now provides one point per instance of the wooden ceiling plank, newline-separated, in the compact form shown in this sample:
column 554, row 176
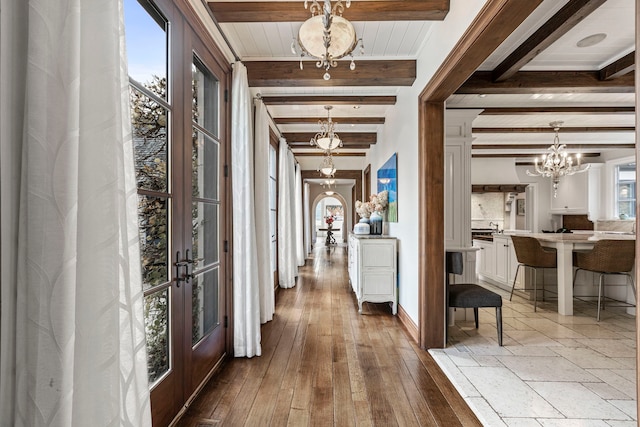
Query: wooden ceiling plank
column 533, row 82
column 503, row 111
column 618, row 68
column 366, row 73
column 338, row 120
column 329, row 100
column 549, row 129
column 565, row 19
column 570, row 147
column 274, row 11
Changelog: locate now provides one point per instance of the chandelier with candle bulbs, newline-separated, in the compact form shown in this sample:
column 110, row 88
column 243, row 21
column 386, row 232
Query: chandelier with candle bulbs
column 326, row 36
column 557, row 163
column 327, row 139
column 327, row 169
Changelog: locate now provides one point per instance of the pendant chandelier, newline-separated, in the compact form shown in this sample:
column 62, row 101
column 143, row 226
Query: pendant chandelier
column 327, row 168
column 327, row 139
column 557, row 163
column 326, row 36
column 327, row 183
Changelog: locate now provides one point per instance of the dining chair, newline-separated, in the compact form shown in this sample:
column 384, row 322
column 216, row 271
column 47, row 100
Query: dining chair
column 530, row 253
column 470, row 295
column 607, row 257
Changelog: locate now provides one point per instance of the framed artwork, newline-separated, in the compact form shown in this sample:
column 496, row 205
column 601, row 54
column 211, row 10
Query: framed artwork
column 334, row 211
column 520, row 206
column 387, row 179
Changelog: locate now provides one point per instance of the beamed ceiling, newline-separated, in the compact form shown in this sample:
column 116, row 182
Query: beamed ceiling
column 538, row 75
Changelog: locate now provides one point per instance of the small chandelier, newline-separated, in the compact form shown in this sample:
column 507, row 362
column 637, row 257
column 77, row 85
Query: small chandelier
column 558, row 162
column 327, row 139
column 327, row 168
column 327, row 183
column 326, row 36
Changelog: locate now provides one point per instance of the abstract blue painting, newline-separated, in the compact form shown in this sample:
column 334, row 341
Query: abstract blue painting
column 388, row 180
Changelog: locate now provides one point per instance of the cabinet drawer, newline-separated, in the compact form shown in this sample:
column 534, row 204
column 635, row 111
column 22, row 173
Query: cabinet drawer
column 378, row 256
column 378, row 283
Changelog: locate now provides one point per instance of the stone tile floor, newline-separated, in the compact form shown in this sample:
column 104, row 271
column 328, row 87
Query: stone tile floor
column 552, row 370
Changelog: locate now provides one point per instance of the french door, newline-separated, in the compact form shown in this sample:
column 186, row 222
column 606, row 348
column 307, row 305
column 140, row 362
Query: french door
column 179, row 115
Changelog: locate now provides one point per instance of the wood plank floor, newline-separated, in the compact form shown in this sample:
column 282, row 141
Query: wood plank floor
column 325, row 364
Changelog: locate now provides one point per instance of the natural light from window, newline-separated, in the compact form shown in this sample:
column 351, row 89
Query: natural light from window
column 626, row 191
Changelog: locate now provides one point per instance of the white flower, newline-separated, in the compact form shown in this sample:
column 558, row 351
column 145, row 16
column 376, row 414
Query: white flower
column 377, row 203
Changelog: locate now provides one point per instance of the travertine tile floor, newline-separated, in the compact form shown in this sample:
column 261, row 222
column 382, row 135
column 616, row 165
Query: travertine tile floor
column 551, row 371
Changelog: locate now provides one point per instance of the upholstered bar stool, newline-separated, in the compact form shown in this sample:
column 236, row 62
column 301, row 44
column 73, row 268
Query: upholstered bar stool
column 469, row 295
column 532, row 254
column 607, row 257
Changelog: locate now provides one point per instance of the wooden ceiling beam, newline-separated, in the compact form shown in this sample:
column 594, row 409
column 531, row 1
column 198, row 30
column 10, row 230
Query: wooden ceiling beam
column 565, row 19
column 346, row 137
column 549, row 129
column 504, row 111
column 321, row 154
column 519, row 155
column 532, row 82
column 329, row 100
column 339, row 120
column 274, row 11
column 367, row 73
column 570, row 147
column 618, row 68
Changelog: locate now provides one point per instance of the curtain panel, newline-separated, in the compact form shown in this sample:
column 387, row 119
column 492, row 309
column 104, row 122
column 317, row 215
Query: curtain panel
column 246, row 292
column 73, row 338
column 287, row 260
column 300, row 253
column 262, row 212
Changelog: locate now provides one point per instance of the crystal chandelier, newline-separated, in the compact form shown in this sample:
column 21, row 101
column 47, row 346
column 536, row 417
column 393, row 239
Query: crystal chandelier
column 326, row 36
column 327, row 139
column 557, row 163
column 327, row 168
column 327, row 183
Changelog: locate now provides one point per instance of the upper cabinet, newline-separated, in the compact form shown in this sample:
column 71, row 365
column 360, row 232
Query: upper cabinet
column 578, row 194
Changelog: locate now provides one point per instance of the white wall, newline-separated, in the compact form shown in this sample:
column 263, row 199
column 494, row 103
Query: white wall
column 400, row 135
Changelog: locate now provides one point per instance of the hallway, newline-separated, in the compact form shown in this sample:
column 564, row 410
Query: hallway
column 324, row 364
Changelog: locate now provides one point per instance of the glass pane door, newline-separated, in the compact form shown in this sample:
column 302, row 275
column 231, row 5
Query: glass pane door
column 204, row 308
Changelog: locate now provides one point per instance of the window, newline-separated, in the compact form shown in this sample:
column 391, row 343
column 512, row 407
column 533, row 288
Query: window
column 626, row 190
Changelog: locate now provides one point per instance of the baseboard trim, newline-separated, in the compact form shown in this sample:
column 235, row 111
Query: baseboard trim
column 408, row 323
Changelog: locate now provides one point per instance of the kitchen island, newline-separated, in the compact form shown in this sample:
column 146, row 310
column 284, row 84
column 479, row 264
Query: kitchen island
column 565, row 243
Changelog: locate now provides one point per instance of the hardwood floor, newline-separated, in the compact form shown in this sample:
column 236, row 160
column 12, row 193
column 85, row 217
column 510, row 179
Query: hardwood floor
column 324, row 364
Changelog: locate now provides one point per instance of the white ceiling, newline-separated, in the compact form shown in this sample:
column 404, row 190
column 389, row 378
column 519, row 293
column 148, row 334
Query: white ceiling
column 403, row 40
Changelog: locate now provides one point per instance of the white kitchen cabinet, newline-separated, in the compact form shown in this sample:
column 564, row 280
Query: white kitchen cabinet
column 578, row 194
column 373, row 269
column 485, row 259
column 496, row 261
column 501, row 256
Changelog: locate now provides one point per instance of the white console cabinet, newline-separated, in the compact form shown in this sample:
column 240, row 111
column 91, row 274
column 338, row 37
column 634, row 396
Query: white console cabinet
column 373, row 269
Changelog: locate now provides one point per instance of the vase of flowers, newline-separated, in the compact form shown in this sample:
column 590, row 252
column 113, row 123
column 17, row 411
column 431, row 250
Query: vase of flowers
column 373, row 210
column 329, row 221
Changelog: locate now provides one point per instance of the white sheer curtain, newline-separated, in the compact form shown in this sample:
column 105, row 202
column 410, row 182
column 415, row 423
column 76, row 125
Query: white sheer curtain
column 300, row 255
column 307, row 217
column 287, row 262
column 72, row 340
column 263, row 234
column 246, row 295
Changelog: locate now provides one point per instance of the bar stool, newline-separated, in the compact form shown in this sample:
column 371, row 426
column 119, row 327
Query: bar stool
column 607, row 257
column 532, row 254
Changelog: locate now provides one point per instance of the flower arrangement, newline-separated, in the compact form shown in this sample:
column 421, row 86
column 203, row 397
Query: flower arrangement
column 328, row 220
column 377, row 203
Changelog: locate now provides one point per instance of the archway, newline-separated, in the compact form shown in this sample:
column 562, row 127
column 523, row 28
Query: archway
column 316, row 220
